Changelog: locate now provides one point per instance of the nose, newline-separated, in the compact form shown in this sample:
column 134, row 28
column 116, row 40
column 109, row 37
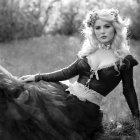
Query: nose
column 102, row 30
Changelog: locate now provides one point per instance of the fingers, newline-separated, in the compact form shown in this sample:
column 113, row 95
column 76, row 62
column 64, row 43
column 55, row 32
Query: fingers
column 23, row 77
column 27, row 78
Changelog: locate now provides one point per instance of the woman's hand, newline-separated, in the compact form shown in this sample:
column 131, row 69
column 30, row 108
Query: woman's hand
column 27, row 78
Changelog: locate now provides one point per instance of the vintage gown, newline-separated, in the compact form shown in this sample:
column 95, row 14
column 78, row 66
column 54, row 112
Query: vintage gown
column 44, row 110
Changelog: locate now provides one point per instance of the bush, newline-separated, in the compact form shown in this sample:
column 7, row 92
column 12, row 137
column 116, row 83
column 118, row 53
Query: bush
column 119, row 131
column 64, row 19
column 58, row 17
column 135, row 25
column 133, row 12
column 19, row 23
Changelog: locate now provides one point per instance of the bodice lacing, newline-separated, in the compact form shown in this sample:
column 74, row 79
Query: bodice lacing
column 95, row 72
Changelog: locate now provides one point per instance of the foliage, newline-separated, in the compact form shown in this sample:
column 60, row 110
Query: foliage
column 34, row 19
column 119, row 131
column 18, row 22
column 134, row 14
column 64, row 19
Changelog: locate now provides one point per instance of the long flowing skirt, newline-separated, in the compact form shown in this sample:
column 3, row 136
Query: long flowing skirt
column 45, row 111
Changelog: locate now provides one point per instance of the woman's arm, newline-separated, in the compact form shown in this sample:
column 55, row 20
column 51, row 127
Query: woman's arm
column 129, row 91
column 59, row 75
column 64, row 74
column 128, row 84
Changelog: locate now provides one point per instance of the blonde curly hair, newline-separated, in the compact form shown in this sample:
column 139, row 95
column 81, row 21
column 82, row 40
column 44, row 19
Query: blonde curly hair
column 91, row 44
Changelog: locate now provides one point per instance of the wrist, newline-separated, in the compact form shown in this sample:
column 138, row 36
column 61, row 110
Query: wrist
column 38, row 77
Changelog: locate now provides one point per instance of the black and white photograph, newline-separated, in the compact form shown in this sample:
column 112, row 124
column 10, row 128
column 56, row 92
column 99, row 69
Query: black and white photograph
column 69, row 70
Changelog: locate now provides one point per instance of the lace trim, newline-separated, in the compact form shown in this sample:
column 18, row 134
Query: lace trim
column 84, row 93
column 107, row 66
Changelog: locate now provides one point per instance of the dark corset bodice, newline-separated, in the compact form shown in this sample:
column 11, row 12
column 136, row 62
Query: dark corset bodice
column 109, row 78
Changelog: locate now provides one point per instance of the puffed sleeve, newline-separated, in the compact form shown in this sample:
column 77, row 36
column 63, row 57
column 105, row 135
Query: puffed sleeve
column 63, row 74
column 128, row 62
column 128, row 84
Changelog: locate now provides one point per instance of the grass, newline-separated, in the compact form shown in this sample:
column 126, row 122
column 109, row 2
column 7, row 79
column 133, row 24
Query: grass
column 50, row 53
column 43, row 54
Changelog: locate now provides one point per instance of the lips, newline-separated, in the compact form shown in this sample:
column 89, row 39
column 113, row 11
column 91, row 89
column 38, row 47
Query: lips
column 103, row 37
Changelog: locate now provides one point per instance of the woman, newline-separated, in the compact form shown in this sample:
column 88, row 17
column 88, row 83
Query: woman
column 58, row 112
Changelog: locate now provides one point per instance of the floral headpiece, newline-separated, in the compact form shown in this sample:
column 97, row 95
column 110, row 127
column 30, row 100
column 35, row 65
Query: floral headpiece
column 94, row 15
column 115, row 14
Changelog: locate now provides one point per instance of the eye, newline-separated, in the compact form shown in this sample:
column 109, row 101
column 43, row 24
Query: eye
column 107, row 26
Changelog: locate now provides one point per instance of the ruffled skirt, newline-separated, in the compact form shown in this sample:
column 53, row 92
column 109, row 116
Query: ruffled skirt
column 46, row 111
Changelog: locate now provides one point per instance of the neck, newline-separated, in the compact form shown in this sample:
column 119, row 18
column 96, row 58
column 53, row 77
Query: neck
column 105, row 46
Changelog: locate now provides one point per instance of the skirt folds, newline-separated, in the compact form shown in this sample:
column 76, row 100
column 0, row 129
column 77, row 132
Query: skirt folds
column 46, row 111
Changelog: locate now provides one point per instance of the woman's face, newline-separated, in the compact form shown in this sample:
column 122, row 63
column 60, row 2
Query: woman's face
column 104, row 31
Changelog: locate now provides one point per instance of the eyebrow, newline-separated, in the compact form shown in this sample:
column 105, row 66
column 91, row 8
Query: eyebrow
column 108, row 24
